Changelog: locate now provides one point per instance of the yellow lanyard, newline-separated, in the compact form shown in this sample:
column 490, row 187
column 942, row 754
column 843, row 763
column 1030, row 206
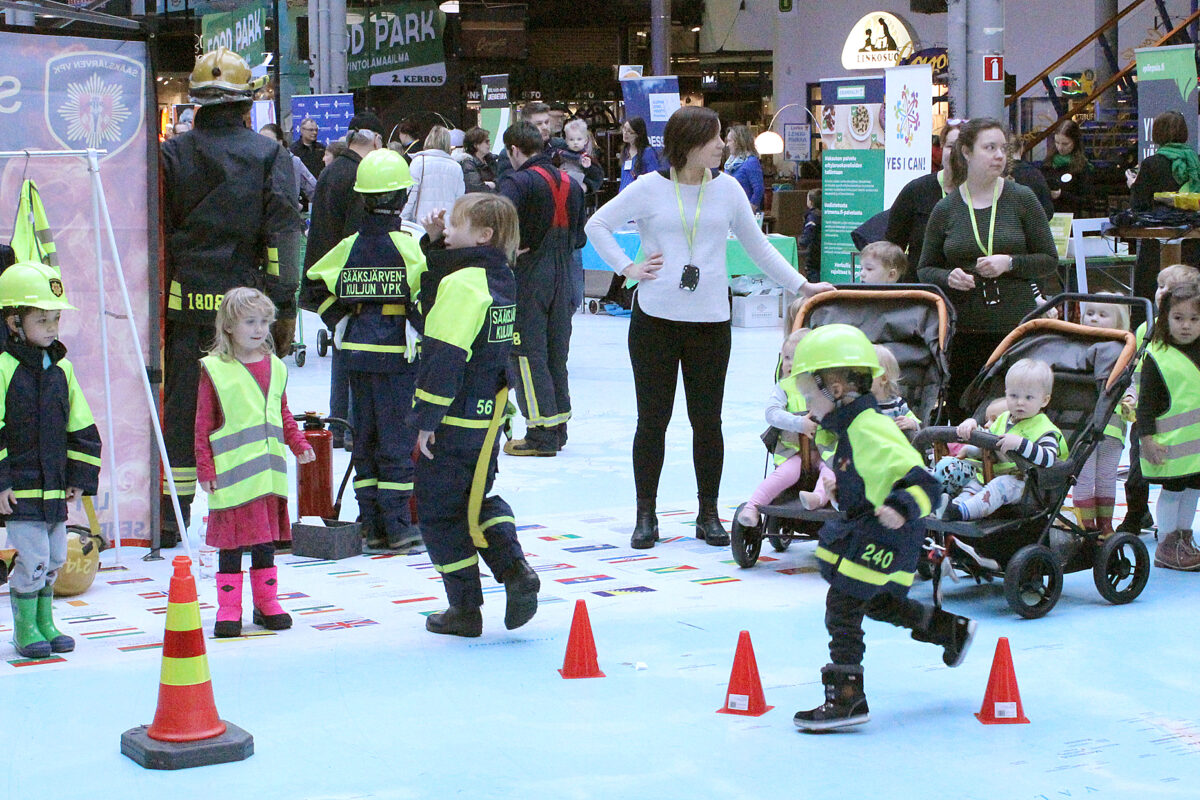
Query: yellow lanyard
column 987, row 251
column 941, row 179
column 690, row 234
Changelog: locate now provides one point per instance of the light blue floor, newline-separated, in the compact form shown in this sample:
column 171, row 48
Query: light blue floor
column 358, row 701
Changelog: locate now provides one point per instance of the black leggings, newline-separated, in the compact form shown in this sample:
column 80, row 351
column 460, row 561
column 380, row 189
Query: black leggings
column 262, row 556
column 968, row 354
column 659, row 349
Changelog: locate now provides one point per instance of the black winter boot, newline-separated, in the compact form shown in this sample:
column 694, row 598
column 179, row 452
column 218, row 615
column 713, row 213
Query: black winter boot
column 521, row 586
column 708, row 524
column 456, row 622
column 645, row 530
column 845, row 703
column 952, row 632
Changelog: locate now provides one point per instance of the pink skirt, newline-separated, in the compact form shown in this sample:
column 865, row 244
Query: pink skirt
column 259, row 521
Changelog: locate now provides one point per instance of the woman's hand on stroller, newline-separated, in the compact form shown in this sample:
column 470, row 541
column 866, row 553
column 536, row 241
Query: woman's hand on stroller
column 966, row 428
column 809, row 289
column 889, row 517
column 1152, row 451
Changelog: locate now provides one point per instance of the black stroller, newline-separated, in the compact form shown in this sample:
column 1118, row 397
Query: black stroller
column 916, row 322
column 1031, row 543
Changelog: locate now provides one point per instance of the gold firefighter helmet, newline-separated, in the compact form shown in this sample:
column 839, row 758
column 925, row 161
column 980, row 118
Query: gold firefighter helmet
column 83, row 561
column 222, row 76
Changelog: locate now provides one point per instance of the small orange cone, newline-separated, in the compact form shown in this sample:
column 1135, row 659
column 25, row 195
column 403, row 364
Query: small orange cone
column 1002, row 702
column 186, row 731
column 580, row 661
column 744, row 695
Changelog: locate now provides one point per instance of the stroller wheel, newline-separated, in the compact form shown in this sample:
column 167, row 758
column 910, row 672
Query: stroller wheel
column 1122, row 568
column 323, row 342
column 746, row 543
column 1033, row 581
column 779, row 541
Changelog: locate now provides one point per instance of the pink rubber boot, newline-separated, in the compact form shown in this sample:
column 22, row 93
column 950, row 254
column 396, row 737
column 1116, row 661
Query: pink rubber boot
column 229, row 605
column 267, row 611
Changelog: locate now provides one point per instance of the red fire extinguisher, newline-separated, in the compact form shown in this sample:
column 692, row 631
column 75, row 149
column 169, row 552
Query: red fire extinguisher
column 315, row 479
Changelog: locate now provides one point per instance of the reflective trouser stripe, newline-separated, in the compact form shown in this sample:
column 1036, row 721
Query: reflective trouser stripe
column 373, row 348
column 459, row 422
column 41, row 494
column 531, row 401
column 365, row 483
column 863, row 574
column 479, row 479
column 395, row 487
column 469, row 561
column 495, row 521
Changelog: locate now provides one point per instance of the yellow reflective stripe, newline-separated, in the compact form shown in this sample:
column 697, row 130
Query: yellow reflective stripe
column 395, row 487
column 4, row 453
column 495, row 521
column 557, row 419
column 365, row 482
column 184, row 671
column 183, row 472
column 48, row 494
column 470, row 561
column 479, row 478
column 273, row 261
column 858, row 572
column 326, row 304
column 372, row 348
column 429, row 397
column 922, row 499
column 393, row 310
column 530, row 395
column 84, row 457
column 183, row 616
column 175, row 296
column 459, row 422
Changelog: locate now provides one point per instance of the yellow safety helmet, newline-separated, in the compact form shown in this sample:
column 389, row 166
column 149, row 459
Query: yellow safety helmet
column 836, row 346
column 83, row 562
column 382, row 171
column 28, row 283
column 222, row 76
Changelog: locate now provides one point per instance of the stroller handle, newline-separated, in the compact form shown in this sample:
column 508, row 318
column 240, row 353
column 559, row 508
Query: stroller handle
column 978, row 438
column 1107, row 299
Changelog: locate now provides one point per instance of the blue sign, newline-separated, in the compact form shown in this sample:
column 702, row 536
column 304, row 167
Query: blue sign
column 654, row 100
column 332, row 113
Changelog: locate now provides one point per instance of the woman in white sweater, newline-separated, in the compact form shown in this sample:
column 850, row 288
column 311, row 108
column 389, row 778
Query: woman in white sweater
column 681, row 307
column 437, row 178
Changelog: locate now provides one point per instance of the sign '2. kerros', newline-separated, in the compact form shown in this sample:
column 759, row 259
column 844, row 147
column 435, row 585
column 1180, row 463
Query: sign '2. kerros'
column 397, row 45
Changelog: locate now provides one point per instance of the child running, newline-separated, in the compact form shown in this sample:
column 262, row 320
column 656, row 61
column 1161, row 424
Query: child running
column 869, row 554
column 469, row 303
column 1024, row 430
column 1095, row 490
column 49, row 450
column 242, row 427
column 787, row 414
column 1166, row 422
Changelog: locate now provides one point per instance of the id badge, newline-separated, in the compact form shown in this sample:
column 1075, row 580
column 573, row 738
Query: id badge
column 690, row 278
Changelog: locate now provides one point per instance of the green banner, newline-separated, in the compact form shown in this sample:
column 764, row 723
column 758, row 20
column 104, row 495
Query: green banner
column 397, row 45
column 242, row 31
column 1166, row 82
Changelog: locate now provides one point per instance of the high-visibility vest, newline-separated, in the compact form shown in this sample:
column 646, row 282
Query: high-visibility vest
column 1178, row 428
column 248, row 449
column 1031, row 428
column 32, row 239
column 788, row 444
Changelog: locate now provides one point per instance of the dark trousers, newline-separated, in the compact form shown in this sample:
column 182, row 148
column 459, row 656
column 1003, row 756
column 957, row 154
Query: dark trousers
column 443, row 487
column 968, row 355
column 262, row 556
column 1137, row 491
column 383, row 445
column 543, row 338
column 339, row 391
column 185, row 344
column 659, row 350
column 844, row 615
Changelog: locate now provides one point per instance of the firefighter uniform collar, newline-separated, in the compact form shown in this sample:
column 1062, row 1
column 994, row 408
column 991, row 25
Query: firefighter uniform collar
column 448, row 261
column 379, row 224
column 32, row 356
column 840, row 418
column 222, row 115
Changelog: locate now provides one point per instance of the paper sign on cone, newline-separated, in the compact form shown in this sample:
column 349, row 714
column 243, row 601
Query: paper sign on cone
column 1002, row 702
column 744, row 695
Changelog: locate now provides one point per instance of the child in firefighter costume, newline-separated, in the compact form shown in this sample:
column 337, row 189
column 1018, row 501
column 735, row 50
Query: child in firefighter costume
column 365, row 290
column 469, row 303
column 49, row 450
column 868, row 555
column 243, row 429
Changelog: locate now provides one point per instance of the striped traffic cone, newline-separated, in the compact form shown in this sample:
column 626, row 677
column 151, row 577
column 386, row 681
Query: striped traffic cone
column 186, row 731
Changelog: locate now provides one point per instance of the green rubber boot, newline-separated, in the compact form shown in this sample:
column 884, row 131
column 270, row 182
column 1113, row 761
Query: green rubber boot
column 59, row 641
column 29, row 641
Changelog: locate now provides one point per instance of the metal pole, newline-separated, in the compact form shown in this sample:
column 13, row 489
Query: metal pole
column 660, row 37
column 323, row 77
column 314, row 46
column 338, row 45
column 275, row 62
column 956, row 54
column 25, row 18
column 1106, row 104
column 985, row 37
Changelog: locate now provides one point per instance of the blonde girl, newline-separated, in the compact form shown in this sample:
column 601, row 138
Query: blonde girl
column 886, row 390
column 1095, row 492
column 242, row 427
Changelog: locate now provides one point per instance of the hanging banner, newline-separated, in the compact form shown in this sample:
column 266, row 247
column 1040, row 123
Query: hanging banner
column 242, row 31
column 797, row 141
column 331, row 112
column 654, row 100
column 495, row 111
column 908, row 125
column 851, row 167
column 1166, row 82
column 69, row 93
column 396, row 45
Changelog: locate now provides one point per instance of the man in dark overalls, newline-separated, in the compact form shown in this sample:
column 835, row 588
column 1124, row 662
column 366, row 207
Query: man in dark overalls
column 550, row 209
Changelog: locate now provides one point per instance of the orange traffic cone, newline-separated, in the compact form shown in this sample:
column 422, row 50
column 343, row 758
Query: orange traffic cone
column 744, row 695
column 580, row 661
column 186, row 731
column 1002, row 701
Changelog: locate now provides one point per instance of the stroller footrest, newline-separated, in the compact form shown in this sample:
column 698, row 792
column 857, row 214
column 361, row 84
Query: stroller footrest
column 794, row 509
